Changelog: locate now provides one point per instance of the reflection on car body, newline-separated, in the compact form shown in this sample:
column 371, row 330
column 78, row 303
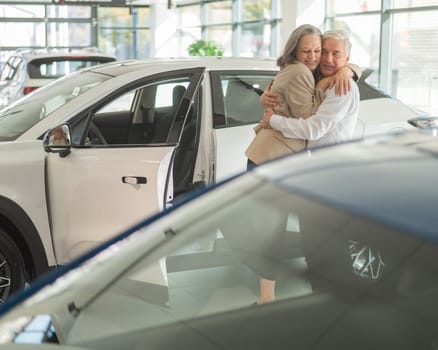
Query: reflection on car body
column 355, row 260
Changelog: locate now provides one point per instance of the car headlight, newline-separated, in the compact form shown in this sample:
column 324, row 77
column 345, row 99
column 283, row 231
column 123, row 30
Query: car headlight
column 424, row 122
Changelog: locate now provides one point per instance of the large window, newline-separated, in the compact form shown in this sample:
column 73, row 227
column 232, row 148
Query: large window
column 339, row 6
column 414, row 58
column 396, row 38
column 123, row 32
column 240, row 28
column 75, row 34
column 34, row 34
column 44, row 27
column 219, row 12
column 412, row 3
column 365, row 39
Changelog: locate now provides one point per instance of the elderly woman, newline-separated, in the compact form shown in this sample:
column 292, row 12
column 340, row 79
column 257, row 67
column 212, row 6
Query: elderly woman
column 296, row 97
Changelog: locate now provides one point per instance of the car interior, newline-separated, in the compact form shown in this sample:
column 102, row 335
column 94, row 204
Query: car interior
column 149, row 116
column 143, row 123
column 240, row 95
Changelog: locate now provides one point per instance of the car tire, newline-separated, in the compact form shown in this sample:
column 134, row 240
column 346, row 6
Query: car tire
column 12, row 269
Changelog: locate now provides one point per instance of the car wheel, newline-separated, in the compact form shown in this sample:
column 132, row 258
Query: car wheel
column 12, row 271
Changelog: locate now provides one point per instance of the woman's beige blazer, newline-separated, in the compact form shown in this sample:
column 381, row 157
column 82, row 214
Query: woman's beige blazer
column 297, row 98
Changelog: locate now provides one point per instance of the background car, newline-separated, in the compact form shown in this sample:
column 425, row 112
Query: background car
column 141, row 134
column 349, row 229
column 28, row 70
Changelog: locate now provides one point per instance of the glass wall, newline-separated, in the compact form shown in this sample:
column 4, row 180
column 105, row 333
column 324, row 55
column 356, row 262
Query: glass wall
column 123, row 32
column 27, row 24
column 190, row 25
column 239, row 27
column 412, row 3
column 396, row 38
column 42, row 26
column 365, row 39
column 414, row 59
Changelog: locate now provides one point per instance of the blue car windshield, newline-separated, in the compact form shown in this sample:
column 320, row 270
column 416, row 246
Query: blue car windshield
column 28, row 111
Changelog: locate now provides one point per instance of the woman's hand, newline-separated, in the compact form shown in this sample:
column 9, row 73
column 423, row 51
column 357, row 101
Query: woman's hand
column 268, row 99
column 341, row 81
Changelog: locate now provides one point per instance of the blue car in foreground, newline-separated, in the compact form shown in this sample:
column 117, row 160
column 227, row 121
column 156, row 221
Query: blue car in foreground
column 350, row 231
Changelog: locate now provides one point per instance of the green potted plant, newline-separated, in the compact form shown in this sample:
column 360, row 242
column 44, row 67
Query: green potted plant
column 204, row 48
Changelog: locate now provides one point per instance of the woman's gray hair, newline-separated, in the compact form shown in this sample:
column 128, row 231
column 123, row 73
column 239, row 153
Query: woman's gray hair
column 290, row 49
column 339, row 34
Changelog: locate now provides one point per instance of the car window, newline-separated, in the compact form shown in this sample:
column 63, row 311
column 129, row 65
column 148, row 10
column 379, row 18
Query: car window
column 141, row 116
column 25, row 113
column 164, row 97
column 236, row 98
column 120, row 104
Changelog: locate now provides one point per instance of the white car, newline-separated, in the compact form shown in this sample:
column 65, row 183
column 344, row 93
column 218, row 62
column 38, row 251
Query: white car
column 135, row 136
column 28, row 70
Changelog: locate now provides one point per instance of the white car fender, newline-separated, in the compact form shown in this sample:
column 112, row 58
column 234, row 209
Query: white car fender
column 22, row 182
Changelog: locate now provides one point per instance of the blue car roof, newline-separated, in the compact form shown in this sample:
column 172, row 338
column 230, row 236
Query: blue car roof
column 391, row 182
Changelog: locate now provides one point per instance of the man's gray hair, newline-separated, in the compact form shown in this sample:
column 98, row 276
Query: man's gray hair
column 289, row 54
column 339, row 34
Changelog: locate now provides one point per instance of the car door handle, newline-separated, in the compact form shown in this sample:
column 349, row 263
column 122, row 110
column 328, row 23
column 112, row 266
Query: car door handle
column 134, row 180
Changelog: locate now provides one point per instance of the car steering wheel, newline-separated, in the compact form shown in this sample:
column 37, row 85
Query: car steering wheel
column 95, row 135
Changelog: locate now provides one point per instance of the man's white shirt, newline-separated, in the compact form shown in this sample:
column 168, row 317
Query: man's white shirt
column 333, row 122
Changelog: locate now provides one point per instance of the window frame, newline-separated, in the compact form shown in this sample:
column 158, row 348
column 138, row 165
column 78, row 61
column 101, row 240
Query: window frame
column 218, row 104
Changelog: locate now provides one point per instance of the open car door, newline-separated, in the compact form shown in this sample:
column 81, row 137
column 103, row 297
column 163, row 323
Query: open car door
column 119, row 168
column 236, row 110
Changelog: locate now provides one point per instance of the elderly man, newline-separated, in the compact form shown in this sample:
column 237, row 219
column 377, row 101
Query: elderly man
column 333, row 122
column 336, row 117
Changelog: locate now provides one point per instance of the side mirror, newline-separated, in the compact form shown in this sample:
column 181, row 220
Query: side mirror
column 58, row 140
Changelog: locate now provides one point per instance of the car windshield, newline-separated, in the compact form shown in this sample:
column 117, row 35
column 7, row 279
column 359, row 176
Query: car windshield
column 191, row 280
column 27, row 112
